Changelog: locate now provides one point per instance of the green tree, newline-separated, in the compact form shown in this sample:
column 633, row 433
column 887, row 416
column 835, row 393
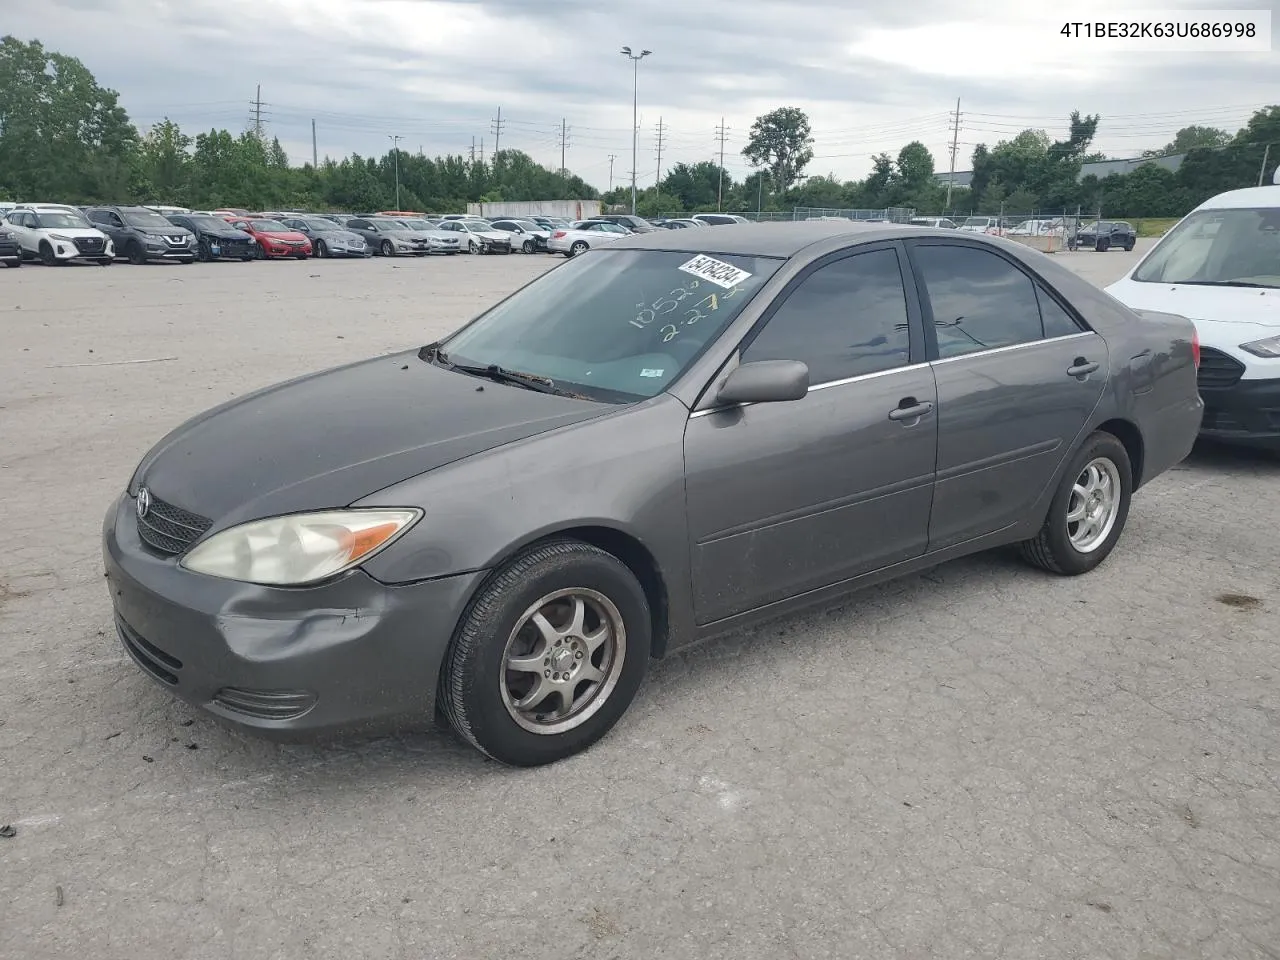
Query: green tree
column 165, row 162
column 914, row 167
column 61, row 135
column 782, row 141
column 694, row 184
column 1192, row 138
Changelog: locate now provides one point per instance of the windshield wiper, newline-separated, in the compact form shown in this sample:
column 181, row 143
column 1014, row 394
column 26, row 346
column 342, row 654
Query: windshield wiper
column 530, row 381
column 1225, row 283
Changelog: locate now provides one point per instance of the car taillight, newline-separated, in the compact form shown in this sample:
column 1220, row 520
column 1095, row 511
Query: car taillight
column 1195, row 348
column 557, row 235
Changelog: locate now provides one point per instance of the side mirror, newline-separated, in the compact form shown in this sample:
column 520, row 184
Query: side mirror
column 765, row 381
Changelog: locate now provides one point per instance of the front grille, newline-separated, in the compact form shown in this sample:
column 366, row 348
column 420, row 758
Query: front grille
column 170, row 529
column 163, row 666
column 266, row 704
column 176, row 241
column 1217, row 369
column 89, row 245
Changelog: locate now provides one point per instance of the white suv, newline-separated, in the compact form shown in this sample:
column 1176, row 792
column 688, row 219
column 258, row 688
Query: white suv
column 58, row 234
column 1220, row 267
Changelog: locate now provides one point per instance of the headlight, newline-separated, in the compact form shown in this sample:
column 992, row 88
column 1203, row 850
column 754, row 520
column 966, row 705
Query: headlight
column 301, row 548
column 253, row 241
column 59, row 236
column 1263, row 348
column 152, row 238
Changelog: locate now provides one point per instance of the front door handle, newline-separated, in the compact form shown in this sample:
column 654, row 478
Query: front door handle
column 1081, row 368
column 909, row 409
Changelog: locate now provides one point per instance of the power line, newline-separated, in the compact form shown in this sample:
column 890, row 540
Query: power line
column 661, row 133
column 496, row 127
column 721, row 133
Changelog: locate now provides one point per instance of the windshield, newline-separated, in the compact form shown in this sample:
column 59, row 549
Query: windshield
column 320, row 225
column 527, row 224
column 614, row 325
column 209, row 223
column 417, row 224
column 62, row 221
column 474, row 225
column 390, row 226
column 270, row 226
column 977, row 221
column 1238, row 246
column 147, row 221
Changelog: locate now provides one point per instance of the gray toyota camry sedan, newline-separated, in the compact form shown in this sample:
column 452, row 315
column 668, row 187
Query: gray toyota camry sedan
column 678, row 435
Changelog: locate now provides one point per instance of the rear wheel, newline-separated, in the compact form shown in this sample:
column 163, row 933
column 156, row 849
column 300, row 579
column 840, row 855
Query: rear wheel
column 1088, row 513
column 203, row 253
column 579, row 247
column 322, row 251
column 1128, row 247
column 549, row 654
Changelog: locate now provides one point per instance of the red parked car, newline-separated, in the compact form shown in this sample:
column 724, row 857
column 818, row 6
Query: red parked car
column 274, row 238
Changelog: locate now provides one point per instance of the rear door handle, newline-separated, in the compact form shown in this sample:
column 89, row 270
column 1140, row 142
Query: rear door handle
column 1081, row 368
column 911, row 410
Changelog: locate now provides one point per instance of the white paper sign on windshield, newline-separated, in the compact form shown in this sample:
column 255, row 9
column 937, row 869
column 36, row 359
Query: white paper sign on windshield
column 715, row 271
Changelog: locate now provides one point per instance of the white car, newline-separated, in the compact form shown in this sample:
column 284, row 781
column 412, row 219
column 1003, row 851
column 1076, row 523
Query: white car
column 582, row 235
column 56, row 234
column 939, row 223
column 478, row 236
column 442, row 241
column 525, row 234
column 987, row 225
column 1220, row 267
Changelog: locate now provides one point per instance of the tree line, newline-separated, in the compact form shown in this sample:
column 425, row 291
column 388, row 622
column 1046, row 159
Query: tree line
column 63, row 137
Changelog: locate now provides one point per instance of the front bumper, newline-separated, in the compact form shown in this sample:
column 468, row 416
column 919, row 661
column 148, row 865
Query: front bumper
column 89, row 252
column 351, row 654
column 166, row 252
column 284, row 252
column 1247, row 413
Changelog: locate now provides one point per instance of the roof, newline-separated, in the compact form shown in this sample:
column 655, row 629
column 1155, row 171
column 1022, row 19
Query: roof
column 1248, row 197
column 762, row 239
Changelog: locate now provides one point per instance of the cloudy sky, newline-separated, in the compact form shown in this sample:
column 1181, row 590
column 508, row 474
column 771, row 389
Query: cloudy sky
column 872, row 74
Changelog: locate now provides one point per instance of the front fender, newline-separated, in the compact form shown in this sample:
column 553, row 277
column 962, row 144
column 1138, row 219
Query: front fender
column 623, row 472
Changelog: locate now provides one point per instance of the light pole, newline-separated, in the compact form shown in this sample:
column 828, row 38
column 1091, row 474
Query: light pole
column 760, row 192
column 395, row 145
column 635, row 59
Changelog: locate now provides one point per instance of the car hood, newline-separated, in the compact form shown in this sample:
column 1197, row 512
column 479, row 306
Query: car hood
column 330, row 438
column 73, row 232
column 348, row 235
column 1245, row 307
column 442, row 235
column 282, row 235
column 499, row 235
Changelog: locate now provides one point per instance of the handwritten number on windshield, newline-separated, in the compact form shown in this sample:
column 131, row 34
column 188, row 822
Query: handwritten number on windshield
column 664, row 305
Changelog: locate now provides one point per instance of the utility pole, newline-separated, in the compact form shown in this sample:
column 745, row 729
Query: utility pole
column 635, row 59
column 257, row 105
column 721, row 132
column 482, row 151
column 496, row 127
column 315, row 152
column 657, row 183
column 564, row 144
column 612, row 157
column 395, row 145
column 760, row 191
column 955, row 137
column 1263, row 169
column 473, row 149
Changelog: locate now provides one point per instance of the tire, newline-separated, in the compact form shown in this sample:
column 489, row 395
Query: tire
column 106, row 263
column 579, row 247
column 1053, row 548
column 1128, row 247
column 1102, row 246
column 477, row 692
column 46, row 255
column 528, row 246
column 473, row 248
column 14, row 263
column 137, row 256
column 202, row 252
column 321, row 250
column 387, row 249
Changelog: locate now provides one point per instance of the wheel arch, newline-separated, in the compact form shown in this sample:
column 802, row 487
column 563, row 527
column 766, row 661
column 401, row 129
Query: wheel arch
column 1127, row 432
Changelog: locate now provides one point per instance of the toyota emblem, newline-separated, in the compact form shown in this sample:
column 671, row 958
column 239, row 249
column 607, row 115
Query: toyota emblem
column 144, row 502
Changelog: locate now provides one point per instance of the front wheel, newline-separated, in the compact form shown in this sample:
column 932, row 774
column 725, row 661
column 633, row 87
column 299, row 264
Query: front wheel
column 1088, row 512
column 388, row 248
column 137, row 256
column 1102, row 246
column 549, row 654
column 47, row 256
column 105, row 262
column 1128, row 247
column 528, row 246
column 322, row 250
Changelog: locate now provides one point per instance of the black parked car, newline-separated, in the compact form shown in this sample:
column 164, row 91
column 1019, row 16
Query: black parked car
column 1105, row 234
column 216, row 239
column 141, row 234
column 10, row 252
column 633, row 223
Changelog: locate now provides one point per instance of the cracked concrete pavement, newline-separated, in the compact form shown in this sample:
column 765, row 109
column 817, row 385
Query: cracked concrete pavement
column 981, row 761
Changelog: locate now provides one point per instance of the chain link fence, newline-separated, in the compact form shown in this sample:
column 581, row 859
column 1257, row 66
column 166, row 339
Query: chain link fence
column 892, row 214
